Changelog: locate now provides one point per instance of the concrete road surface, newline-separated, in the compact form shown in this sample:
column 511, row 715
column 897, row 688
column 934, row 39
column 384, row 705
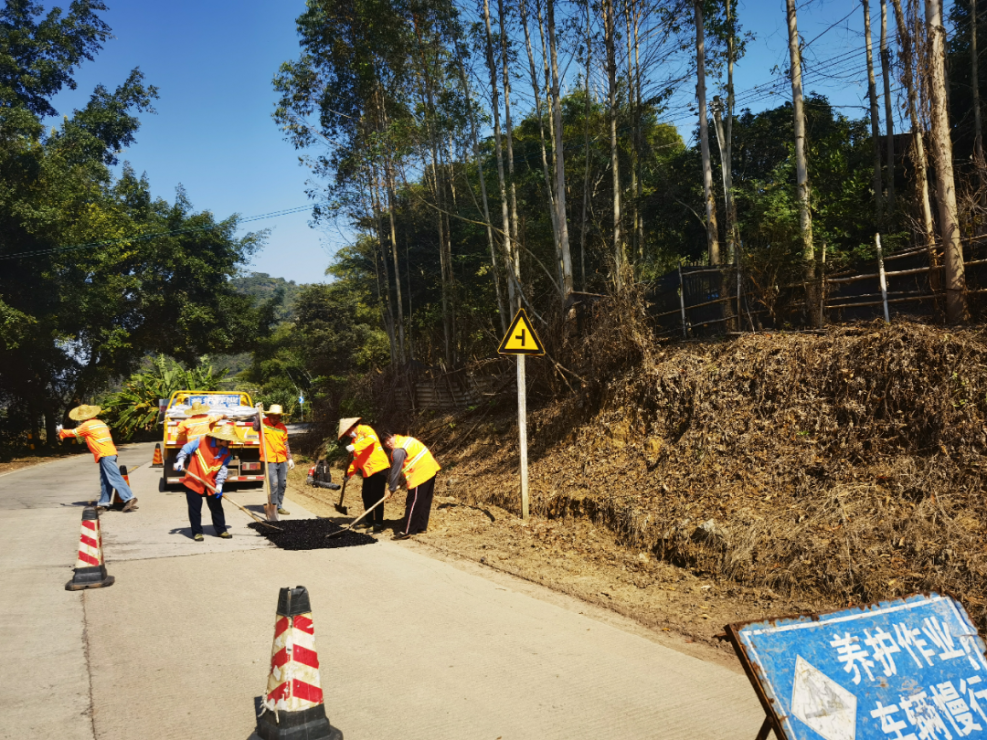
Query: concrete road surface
column 410, row 646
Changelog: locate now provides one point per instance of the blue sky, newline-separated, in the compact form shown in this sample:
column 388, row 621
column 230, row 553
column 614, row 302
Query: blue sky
column 213, row 62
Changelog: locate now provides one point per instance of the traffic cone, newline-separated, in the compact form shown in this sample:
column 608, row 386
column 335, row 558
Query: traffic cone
column 116, row 496
column 292, row 704
column 157, row 461
column 90, row 570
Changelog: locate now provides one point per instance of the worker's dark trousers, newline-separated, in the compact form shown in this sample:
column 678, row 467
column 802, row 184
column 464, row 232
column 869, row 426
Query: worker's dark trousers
column 195, row 511
column 373, row 491
column 418, row 506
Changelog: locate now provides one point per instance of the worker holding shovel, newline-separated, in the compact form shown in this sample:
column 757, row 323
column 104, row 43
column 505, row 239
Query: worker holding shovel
column 276, row 452
column 370, row 461
column 411, row 460
column 207, row 470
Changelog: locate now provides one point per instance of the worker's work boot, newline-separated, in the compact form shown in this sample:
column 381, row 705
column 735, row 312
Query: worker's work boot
column 225, row 535
column 283, row 511
column 131, row 505
column 198, row 538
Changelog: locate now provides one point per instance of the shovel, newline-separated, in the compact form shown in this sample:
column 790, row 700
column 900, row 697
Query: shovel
column 245, row 510
column 270, row 510
column 339, row 507
column 359, row 518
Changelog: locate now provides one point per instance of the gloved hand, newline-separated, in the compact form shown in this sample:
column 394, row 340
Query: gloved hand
column 58, row 429
column 291, row 465
column 259, row 406
column 179, row 465
column 219, row 492
column 350, row 449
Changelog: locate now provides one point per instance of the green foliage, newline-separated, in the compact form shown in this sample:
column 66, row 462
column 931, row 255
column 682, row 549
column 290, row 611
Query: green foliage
column 134, row 408
column 95, row 274
column 267, row 290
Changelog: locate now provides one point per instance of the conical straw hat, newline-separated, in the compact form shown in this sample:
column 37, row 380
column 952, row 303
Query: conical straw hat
column 223, row 432
column 81, row 413
column 197, row 408
column 346, row 424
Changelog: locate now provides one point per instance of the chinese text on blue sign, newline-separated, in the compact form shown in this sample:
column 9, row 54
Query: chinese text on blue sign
column 910, row 669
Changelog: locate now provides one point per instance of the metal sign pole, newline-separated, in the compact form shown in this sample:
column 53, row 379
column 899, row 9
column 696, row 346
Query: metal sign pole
column 522, row 424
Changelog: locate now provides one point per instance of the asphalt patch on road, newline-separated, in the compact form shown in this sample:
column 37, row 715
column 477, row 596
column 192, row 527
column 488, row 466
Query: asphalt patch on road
column 310, row 534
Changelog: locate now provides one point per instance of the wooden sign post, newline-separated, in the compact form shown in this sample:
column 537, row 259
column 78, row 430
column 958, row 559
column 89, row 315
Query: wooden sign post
column 521, row 340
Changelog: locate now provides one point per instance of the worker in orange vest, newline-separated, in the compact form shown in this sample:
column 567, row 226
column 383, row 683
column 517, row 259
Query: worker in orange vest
column 278, row 452
column 100, row 443
column 370, row 461
column 198, row 422
column 411, row 460
column 208, row 456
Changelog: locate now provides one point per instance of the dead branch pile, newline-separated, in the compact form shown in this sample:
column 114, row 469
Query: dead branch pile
column 847, row 466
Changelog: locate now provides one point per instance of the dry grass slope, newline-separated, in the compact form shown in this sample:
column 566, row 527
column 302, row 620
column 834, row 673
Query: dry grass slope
column 844, row 467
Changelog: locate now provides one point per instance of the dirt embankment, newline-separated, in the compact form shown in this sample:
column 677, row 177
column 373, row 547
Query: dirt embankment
column 836, row 468
column 707, row 483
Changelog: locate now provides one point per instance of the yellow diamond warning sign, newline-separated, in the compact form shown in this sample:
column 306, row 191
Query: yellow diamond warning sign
column 521, row 338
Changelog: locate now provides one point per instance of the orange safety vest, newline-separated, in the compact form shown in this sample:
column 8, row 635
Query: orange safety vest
column 204, row 464
column 195, row 427
column 369, row 456
column 419, row 466
column 275, row 441
column 97, row 436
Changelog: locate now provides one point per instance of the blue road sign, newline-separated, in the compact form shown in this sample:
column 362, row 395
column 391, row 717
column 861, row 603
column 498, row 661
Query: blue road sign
column 909, row 669
column 301, row 399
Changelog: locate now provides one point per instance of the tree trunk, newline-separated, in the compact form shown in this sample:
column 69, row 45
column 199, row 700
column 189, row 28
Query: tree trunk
column 394, row 251
column 712, row 230
column 801, row 167
column 380, row 260
column 505, row 216
column 906, row 46
column 509, row 136
column 562, row 217
column 504, row 318
column 875, row 119
column 978, row 137
column 638, row 134
column 610, row 41
column 888, row 105
column 635, row 248
column 586, row 151
column 546, row 171
column 942, row 147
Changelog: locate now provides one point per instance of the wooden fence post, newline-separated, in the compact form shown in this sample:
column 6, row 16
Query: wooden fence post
column 682, row 303
column 882, row 277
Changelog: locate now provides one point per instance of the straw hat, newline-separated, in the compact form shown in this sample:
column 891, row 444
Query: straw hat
column 81, row 413
column 275, row 410
column 346, row 424
column 197, row 408
column 223, row 432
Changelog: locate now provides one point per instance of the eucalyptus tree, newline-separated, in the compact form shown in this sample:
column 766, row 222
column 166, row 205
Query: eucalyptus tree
column 349, row 89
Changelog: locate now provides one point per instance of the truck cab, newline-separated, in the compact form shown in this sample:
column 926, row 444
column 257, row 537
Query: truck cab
column 246, row 467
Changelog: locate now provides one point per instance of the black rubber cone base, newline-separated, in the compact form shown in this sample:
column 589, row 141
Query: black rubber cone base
column 94, row 577
column 309, row 724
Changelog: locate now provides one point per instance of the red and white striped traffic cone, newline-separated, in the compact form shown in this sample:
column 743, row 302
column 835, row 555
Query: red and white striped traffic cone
column 90, row 570
column 292, row 705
